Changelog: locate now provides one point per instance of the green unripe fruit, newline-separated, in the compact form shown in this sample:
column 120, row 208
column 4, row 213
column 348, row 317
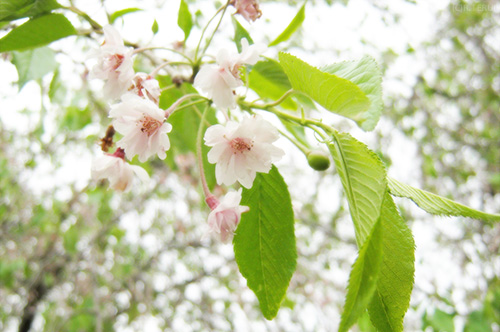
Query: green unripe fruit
column 318, row 160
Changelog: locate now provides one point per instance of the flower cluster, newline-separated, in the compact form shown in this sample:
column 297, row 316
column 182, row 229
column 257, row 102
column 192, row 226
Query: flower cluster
column 239, row 149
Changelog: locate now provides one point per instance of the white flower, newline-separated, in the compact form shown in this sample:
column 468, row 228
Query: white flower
column 219, row 80
column 118, row 172
column 225, row 215
column 241, row 150
column 249, row 9
column 114, row 64
column 141, row 122
column 147, row 87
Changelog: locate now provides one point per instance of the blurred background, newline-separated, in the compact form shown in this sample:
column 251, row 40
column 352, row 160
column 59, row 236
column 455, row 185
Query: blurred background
column 75, row 256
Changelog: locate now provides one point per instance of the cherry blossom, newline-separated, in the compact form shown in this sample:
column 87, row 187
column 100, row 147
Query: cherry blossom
column 225, row 215
column 142, row 124
column 241, row 150
column 116, row 170
column 114, row 64
column 146, row 86
column 249, row 9
column 219, row 80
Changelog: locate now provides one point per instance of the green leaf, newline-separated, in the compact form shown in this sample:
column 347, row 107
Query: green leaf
column 184, row 20
column 363, row 178
column 240, row 33
column 366, row 74
column 363, row 279
column 334, row 93
column 292, row 27
column 119, row 13
column 154, row 27
column 440, row 321
column 436, row 204
column 395, row 284
column 14, row 9
column 33, row 64
column 264, row 243
column 37, row 32
column 268, row 80
column 477, row 322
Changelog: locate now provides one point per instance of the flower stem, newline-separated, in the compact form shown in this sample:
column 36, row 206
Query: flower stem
column 85, row 16
column 179, row 101
column 223, row 9
column 199, row 155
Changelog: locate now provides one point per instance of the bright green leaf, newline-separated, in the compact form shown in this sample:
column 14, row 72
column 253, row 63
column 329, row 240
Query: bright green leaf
column 268, row 80
column 363, row 278
column 37, row 32
column 292, row 27
column 366, row 74
column 436, row 204
column 395, row 284
column 334, row 93
column 119, row 13
column 240, row 33
column 154, row 28
column 70, row 239
column 363, row 178
column 33, row 64
column 15, row 9
column 264, row 243
column 184, row 20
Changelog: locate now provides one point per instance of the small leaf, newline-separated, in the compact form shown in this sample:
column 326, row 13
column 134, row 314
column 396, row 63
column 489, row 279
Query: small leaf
column 366, row 74
column 363, row 178
column 154, row 28
column 334, row 93
column 33, row 64
column 240, row 33
column 264, row 243
column 119, row 13
column 395, row 284
column 292, row 27
column 184, row 20
column 436, row 204
column 37, row 32
column 363, row 279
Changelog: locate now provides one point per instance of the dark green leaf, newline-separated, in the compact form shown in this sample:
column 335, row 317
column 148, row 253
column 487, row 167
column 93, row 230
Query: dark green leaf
column 119, row 13
column 33, row 64
column 363, row 278
column 292, row 27
column 395, row 284
column 37, row 32
column 184, row 20
column 264, row 243
column 334, row 93
column 240, row 33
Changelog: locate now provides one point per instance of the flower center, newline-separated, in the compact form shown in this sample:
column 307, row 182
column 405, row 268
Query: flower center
column 149, row 125
column 241, row 145
column 116, row 60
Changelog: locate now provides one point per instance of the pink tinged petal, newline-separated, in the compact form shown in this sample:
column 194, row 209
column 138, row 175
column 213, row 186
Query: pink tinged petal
column 140, row 172
column 216, row 152
column 112, row 36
